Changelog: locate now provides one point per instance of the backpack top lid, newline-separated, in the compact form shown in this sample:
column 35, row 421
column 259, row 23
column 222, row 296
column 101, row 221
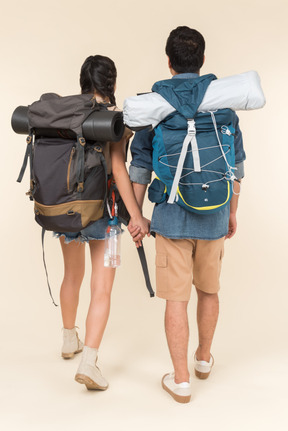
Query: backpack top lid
column 185, row 95
column 56, row 112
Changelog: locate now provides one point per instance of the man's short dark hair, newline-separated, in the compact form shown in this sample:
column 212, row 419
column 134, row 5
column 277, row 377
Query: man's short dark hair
column 185, row 48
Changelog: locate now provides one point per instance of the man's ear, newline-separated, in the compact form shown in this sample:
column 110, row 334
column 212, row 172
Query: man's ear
column 172, row 71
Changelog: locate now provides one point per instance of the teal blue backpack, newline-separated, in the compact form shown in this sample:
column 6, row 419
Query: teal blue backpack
column 193, row 153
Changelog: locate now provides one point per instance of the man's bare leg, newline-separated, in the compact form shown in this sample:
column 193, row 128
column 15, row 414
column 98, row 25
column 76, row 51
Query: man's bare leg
column 207, row 316
column 177, row 333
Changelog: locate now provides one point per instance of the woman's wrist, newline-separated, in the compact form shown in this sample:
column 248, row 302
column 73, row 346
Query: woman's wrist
column 136, row 216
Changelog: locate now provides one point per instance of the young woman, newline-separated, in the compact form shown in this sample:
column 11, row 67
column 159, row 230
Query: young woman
column 98, row 77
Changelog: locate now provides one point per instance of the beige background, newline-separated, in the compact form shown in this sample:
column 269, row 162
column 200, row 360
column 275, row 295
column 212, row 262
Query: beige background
column 43, row 45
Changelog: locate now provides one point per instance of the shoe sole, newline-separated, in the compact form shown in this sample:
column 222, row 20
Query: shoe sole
column 201, row 376
column 90, row 384
column 70, row 355
column 180, row 399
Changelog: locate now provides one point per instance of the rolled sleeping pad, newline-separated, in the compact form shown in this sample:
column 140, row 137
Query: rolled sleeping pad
column 19, row 120
column 104, row 126
column 99, row 126
column 237, row 92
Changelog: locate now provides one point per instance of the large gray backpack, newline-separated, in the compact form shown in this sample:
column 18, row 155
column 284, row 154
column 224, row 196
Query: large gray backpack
column 66, row 147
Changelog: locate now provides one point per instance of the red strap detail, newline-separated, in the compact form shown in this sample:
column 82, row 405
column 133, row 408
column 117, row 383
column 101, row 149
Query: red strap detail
column 113, row 203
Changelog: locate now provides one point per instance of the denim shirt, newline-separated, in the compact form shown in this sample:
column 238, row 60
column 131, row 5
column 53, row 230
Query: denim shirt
column 170, row 220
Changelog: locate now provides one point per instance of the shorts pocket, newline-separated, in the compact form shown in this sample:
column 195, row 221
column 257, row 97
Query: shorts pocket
column 162, row 279
column 161, row 260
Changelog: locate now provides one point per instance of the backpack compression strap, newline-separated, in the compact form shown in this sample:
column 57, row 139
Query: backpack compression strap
column 28, row 155
column 80, row 163
column 190, row 138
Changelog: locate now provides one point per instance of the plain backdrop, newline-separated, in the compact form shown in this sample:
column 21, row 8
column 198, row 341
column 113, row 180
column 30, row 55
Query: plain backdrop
column 43, row 45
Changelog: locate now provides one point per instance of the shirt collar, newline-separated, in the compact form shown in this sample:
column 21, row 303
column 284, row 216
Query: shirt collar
column 185, row 76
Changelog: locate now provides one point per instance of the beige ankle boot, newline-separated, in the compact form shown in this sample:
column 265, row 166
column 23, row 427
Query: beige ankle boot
column 71, row 343
column 88, row 373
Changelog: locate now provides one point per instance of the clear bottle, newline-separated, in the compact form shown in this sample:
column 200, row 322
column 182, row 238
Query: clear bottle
column 112, row 257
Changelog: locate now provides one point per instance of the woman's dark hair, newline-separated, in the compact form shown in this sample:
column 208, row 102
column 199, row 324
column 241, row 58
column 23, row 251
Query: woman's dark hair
column 185, row 48
column 98, row 73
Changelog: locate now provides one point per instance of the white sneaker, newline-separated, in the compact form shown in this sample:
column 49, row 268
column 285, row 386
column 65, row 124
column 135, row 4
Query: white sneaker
column 88, row 373
column 181, row 392
column 203, row 368
column 71, row 343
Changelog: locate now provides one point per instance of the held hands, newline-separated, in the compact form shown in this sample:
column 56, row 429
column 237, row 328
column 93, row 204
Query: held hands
column 138, row 228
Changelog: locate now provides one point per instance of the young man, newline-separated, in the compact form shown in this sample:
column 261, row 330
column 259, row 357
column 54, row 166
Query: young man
column 189, row 246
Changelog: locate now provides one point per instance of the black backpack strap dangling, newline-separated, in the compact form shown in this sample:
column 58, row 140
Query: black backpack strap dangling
column 28, row 154
column 143, row 261
column 103, row 162
column 49, row 288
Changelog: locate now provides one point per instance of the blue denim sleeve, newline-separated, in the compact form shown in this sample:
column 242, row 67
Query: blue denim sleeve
column 141, row 150
column 240, row 155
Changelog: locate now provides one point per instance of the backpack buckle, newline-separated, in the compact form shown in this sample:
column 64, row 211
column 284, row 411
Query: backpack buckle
column 80, row 187
column 191, row 127
column 31, row 191
column 226, row 131
column 82, row 141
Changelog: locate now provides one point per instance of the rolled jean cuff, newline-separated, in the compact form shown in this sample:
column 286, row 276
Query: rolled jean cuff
column 239, row 171
column 139, row 175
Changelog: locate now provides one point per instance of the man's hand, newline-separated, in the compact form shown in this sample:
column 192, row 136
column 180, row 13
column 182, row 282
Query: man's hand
column 138, row 229
column 232, row 226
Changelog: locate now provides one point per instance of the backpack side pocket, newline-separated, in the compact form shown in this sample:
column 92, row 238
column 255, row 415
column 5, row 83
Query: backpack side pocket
column 157, row 191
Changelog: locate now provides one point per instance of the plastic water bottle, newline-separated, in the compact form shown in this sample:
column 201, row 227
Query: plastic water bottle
column 112, row 257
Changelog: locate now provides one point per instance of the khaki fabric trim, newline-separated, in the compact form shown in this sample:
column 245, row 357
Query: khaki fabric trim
column 89, row 210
